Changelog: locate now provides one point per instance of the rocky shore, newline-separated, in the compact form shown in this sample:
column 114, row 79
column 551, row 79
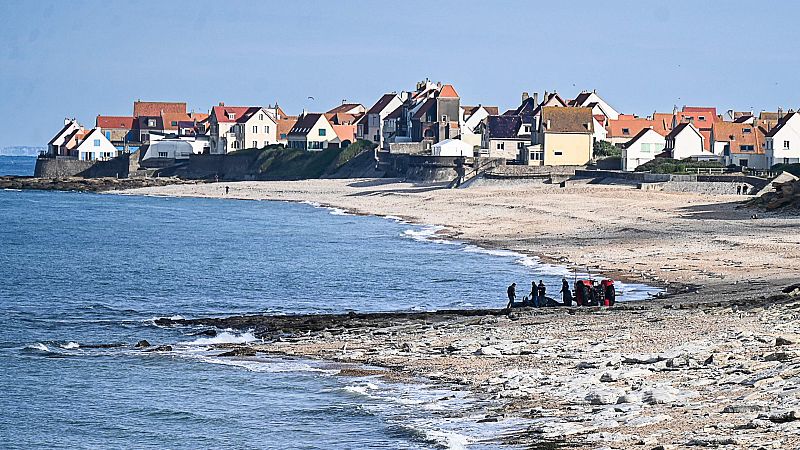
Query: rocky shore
column 86, row 184
column 719, row 367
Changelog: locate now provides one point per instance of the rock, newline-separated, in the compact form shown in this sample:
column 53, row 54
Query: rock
column 604, row 396
column 607, row 377
column 641, row 359
column 783, row 341
column 142, row 344
column 660, row 395
column 160, row 348
column 784, row 416
column 711, row 442
column 239, row 351
column 778, row 356
column 739, row 409
column 488, row 351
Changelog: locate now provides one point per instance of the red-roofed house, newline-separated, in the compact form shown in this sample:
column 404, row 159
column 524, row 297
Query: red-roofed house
column 741, row 144
column 118, row 129
column 141, row 108
column 238, row 127
column 94, row 146
column 438, row 117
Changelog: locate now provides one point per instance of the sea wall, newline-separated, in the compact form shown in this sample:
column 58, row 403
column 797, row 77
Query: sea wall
column 701, row 184
column 431, row 169
column 234, row 166
column 118, row 167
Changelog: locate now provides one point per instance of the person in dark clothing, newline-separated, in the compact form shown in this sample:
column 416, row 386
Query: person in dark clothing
column 542, row 292
column 512, row 295
column 226, row 190
column 566, row 294
column 534, row 295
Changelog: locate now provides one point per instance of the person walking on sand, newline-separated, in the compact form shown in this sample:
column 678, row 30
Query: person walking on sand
column 226, row 190
column 542, row 293
column 566, row 294
column 534, row 295
column 512, row 295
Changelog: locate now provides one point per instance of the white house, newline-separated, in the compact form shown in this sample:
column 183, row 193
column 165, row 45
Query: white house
column 313, row 131
column 178, row 148
column 686, row 141
column 96, row 146
column 237, row 127
column 642, row 148
column 588, row 99
column 783, row 141
column 453, row 147
column 370, row 127
column 56, row 146
column 471, row 119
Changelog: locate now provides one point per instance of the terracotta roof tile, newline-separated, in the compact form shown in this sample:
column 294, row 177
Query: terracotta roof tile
column 157, row 108
column 121, row 122
column 448, row 91
column 567, row 120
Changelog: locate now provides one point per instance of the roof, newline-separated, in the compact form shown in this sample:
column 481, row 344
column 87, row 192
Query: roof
column 156, row 108
column 142, row 123
column 470, row 110
column 396, row 113
column 382, row 103
column 680, row 127
column 169, row 118
column 580, row 99
column 429, row 103
column 240, row 113
column 284, row 125
column 448, row 91
column 660, row 123
column 780, row 124
column 344, row 107
column 124, row 122
column 61, row 132
column 503, row 127
column 305, row 123
column 734, row 133
column 557, row 119
column 342, row 118
column 345, row 132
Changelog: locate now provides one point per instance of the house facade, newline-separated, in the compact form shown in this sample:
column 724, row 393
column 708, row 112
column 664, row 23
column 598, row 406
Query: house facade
column 590, row 99
column 783, row 141
column 686, row 141
column 120, row 130
column 642, row 148
column 504, row 137
column 238, row 127
column 95, row 147
column 370, row 127
column 741, row 144
column 312, row 132
column 471, row 119
column 564, row 137
column 58, row 145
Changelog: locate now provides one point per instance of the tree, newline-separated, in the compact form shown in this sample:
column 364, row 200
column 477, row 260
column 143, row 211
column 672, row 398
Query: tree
column 605, row 148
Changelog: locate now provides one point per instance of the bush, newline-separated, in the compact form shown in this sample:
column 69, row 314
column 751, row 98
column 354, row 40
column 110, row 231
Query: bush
column 668, row 165
column 352, row 151
column 793, row 169
column 605, row 148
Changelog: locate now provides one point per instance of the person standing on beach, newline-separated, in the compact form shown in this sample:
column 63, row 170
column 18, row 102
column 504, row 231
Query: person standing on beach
column 566, row 295
column 534, row 295
column 512, row 295
column 542, row 292
column 226, row 190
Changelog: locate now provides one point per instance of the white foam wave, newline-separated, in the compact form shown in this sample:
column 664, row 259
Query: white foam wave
column 310, row 203
column 267, row 366
column 339, row 212
column 428, row 234
column 395, row 218
column 223, row 338
column 70, row 345
column 39, row 346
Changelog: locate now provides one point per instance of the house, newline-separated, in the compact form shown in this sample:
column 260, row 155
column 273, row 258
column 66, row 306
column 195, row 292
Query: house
column 95, row 146
column 453, row 147
column 642, row 148
column 313, row 132
column 587, row 99
column 702, row 117
column 144, row 125
column 437, row 118
column 141, row 108
column 120, row 130
column 504, row 137
column 739, row 143
column 622, row 129
column 167, row 149
column 57, row 145
column 470, row 121
column 345, row 133
column 238, row 127
column 370, row 127
column 686, row 141
column 564, row 137
column 783, row 141
column 348, row 108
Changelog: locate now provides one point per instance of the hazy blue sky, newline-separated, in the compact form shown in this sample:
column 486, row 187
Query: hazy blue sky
column 83, row 58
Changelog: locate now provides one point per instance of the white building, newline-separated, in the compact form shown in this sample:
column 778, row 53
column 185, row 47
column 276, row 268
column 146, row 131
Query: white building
column 177, row 148
column 95, row 146
column 314, row 132
column 237, row 127
column 686, row 141
column 783, row 141
column 642, row 148
column 56, row 146
column 453, row 147
column 470, row 121
column 588, row 99
column 370, row 127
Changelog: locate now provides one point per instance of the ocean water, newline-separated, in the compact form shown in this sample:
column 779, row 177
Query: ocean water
column 17, row 165
column 82, row 276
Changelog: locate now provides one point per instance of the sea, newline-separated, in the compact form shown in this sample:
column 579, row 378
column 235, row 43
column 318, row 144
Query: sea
column 17, row 165
column 84, row 276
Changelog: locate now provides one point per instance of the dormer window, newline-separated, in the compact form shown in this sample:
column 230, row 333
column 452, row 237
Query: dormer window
column 626, row 131
column 231, row 116
column 260, row 117
column 701, row 118
column 444, row 118
column 151, row 123
column 747, row 130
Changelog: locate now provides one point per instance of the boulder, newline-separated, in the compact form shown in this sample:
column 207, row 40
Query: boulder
column 142, row 344
column 239, row 351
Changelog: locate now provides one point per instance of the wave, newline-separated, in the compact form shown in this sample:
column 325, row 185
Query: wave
column 223, row 338
column 338, row 211
column 70, row 345
column 428, row 233
column 38, row 346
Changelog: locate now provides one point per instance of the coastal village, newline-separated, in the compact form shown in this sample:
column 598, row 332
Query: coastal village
column 428, row 126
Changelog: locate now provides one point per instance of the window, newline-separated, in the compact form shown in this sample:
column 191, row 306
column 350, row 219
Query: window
column 108, row 135
column 266, row 143
column 444, row 118
column 97, row 142
column 501, row 145
column 162, row 154
column 174, row 123
column 283, row 135
column 746, row 130
column 520, row 145
column 151, row 123
column 322, row 131
column 626, row 131
column 255, row 128
column 645, row 148
column 260, row 117
column 231, row 116
column 701, row 118
column 527, row 128
column 557, row 153
column 266, row 129
column 255, row 144
column 786, row 144
column 746, row 148
column 235, row 145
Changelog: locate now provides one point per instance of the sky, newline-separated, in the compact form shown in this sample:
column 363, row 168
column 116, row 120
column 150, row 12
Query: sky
column 83, row 58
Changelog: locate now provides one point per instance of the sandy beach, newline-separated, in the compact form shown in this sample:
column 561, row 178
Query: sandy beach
column 713, row 364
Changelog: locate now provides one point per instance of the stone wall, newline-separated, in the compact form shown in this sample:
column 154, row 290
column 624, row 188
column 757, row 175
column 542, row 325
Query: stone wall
column 234, row 167
column 118, row 167
column 709, row 187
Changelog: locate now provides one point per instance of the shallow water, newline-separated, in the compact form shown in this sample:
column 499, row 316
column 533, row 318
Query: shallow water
column 80, row 270
column 17, row 165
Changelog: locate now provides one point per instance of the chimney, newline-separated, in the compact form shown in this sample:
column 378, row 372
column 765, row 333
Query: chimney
column 780, row 113
column 524, row 96
column 535, row 99
column 67, row 120
column 545, row 97
column 221, row 103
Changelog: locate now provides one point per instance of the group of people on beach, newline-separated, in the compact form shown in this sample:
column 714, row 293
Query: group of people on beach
column 587, row 293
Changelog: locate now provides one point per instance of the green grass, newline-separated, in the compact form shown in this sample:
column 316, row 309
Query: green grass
column 668, row 165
